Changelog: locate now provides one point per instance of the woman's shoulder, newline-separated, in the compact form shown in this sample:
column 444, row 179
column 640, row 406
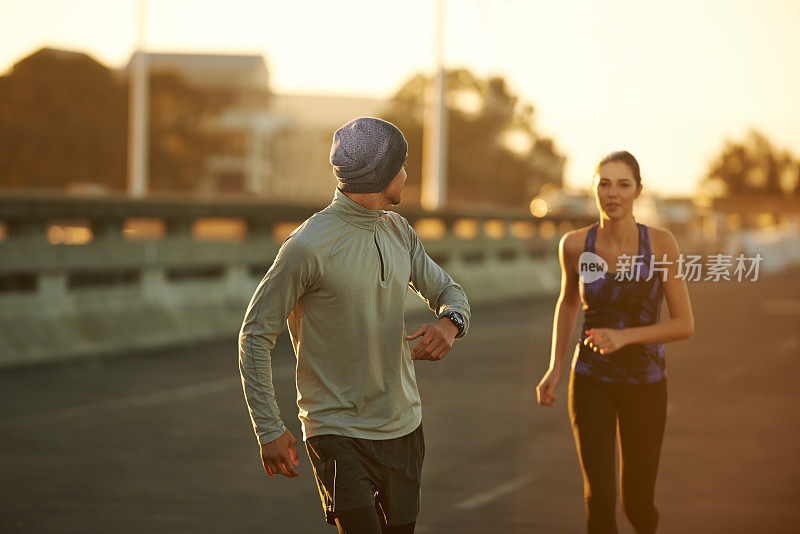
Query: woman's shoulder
column 574, row 241
column 662, row 241
column 577, row 236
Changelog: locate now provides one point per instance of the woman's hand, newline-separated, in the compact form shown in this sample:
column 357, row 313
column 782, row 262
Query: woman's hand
column 546, row 390
column 605, row 340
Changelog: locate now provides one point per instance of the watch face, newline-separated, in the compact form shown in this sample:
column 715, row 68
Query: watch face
column 456, row 317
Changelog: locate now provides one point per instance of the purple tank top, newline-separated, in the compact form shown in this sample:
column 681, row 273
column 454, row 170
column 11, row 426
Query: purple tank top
column 612, row 303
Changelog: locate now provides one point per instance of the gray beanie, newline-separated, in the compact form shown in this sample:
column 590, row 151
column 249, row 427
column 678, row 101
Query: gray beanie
column 367, row 154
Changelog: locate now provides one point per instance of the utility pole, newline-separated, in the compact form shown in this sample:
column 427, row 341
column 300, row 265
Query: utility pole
column 434, row 137
column 137, row 112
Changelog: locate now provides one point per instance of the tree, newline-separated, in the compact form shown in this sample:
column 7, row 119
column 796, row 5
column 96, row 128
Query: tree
column 180, row 139
column 755, row 167
column 494, row 154
column 63, row 120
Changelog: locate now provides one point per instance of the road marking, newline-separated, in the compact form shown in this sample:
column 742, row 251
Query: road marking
column 150, row 399
column 493, row 494
column 177, row 394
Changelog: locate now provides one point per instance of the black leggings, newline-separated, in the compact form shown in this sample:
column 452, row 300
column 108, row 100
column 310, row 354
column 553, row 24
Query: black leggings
column 368, row 520
column 639, row 412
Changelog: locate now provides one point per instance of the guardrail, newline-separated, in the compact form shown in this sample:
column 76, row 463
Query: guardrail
column 82, row 276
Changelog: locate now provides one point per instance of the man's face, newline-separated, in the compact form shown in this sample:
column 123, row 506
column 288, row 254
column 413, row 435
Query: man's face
column 393, row 191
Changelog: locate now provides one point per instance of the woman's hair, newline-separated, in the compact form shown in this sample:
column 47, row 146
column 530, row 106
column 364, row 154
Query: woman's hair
column 625, row 157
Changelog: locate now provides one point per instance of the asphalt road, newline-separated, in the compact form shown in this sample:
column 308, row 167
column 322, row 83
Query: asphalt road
column 161, row 442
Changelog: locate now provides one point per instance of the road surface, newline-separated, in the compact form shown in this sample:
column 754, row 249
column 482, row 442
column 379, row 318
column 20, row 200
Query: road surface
column 161, row 442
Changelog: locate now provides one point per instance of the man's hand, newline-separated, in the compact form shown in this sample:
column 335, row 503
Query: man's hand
column 279, row 455
column 437, row 340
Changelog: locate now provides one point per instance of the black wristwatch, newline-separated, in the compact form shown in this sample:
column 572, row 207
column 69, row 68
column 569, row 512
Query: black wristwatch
column 456, row 319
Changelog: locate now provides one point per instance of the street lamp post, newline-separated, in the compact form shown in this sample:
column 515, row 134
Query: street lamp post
column 137, row 113
column 434, row 137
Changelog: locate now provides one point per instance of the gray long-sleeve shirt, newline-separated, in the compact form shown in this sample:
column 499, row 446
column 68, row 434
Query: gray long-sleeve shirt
column 341, row 281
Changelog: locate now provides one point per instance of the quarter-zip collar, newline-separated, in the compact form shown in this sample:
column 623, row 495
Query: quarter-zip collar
column 354, row 213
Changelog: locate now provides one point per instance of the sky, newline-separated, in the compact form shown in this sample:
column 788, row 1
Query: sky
column 668, row 81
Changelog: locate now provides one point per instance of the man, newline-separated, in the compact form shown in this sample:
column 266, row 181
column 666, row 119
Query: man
column 341, row 280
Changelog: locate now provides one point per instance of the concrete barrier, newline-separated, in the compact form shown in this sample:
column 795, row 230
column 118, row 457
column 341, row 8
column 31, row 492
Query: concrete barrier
column 115, row 292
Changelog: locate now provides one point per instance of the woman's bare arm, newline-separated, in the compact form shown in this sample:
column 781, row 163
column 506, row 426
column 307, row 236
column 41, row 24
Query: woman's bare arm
column 680, row 324
column 566, row 313
column 568, row 305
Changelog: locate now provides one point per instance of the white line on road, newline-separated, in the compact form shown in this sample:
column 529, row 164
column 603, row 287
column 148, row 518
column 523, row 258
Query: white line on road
column 492, row 494
column 150, row 399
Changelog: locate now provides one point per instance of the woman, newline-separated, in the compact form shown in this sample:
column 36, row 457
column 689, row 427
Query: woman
column 618, row 374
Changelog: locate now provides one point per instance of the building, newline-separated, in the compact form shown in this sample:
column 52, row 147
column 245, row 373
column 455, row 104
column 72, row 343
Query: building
column 302, row 169
column 244, row 79
column 286, row 137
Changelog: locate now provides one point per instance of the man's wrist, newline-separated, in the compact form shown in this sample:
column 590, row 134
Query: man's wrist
column 449, row 322
column 268, row 437
column 456, row 319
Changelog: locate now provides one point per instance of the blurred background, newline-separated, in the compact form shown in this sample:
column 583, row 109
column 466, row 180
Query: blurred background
column 154, row 155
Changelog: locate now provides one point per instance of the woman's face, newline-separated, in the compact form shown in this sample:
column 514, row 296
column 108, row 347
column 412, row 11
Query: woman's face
column 615, row 190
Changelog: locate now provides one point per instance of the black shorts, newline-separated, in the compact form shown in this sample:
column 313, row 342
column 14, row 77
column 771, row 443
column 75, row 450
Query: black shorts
column 353, row 472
